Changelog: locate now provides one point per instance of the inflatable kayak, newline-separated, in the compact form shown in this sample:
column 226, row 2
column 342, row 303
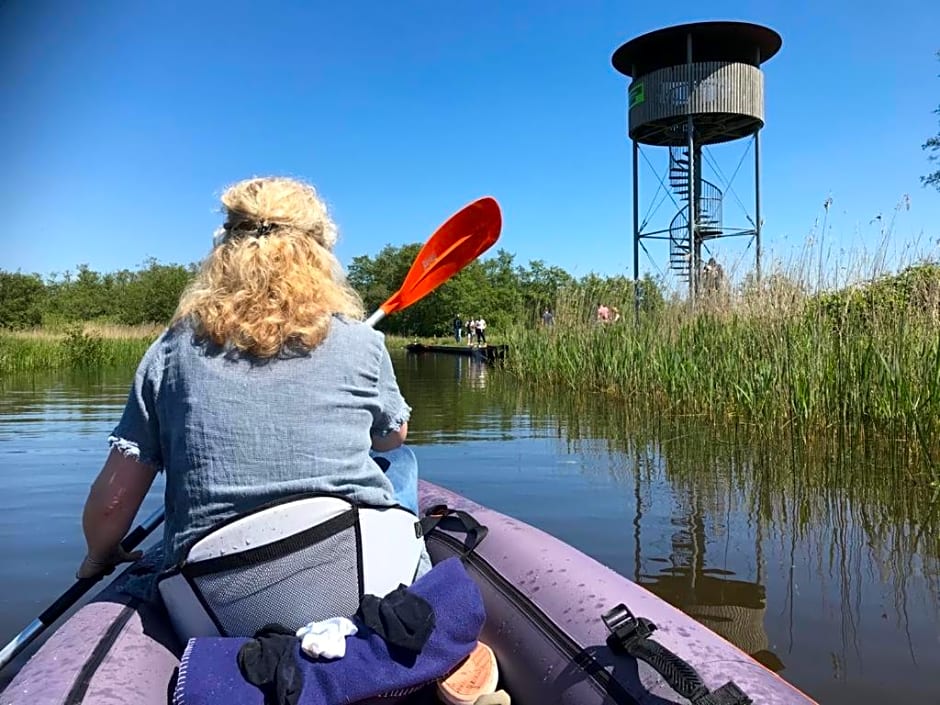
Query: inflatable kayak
column 564, row 629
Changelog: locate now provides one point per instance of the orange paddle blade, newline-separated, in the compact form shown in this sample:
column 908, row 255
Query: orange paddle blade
column 466, row 235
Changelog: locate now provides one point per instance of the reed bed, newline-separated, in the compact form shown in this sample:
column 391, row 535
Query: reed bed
column 769, row 356
column 90, row 345
column 110, row 331
column 85, row 346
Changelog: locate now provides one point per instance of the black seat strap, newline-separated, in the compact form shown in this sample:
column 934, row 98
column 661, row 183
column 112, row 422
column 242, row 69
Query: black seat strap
column 440, row 515
column 631, row 635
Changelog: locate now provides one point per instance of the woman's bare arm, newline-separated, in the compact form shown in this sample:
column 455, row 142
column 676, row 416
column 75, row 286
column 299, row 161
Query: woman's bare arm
column 112, row 504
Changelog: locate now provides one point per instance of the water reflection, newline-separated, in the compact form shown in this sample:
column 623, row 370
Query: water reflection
column 449, row 406
column 471, row 370
column 731, row 607
column 816, row 556
column 820, row 557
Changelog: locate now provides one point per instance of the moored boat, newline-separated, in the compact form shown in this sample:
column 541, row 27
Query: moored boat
column 564, row 628
column 489, row 353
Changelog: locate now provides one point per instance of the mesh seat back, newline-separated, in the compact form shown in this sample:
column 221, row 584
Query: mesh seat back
column 303, row 559
column 291, row 563
column 312, row 576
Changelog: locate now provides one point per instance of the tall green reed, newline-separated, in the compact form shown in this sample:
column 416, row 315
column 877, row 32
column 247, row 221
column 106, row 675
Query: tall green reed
column 77, row 348
column 771, row 357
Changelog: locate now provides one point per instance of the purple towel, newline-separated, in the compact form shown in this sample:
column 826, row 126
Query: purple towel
column 209, row 672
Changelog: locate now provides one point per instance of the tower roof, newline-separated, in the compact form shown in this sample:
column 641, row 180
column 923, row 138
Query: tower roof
column 741, row 42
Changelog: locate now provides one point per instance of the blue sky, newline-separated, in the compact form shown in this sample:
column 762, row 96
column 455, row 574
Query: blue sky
column 121, row 122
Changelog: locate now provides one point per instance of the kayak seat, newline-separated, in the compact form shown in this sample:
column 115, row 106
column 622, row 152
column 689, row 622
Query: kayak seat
column 305, row 558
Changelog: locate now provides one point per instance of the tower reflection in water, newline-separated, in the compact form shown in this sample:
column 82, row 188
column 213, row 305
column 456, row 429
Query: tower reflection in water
column 732, row 608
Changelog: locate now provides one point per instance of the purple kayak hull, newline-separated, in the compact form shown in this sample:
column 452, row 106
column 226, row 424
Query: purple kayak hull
column 108, row 652
column 552, row 606
column 544, row 601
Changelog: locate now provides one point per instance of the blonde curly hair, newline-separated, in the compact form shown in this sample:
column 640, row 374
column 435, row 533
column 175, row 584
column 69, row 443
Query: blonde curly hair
column 272, row 281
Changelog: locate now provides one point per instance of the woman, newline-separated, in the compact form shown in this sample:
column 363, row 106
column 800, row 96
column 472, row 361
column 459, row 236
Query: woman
column 265, row 385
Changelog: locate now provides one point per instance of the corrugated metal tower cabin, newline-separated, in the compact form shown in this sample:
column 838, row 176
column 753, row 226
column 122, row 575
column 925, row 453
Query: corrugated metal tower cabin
column 695, row 85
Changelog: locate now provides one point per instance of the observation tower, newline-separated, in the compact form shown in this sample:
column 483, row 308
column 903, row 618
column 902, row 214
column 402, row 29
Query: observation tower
column 695, row 85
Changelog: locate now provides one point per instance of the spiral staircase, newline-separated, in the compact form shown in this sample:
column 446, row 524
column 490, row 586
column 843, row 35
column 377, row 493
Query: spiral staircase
column 707, row 217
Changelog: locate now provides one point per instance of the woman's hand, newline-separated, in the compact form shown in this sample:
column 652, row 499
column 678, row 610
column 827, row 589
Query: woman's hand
column 92, row 567
column 390, row 441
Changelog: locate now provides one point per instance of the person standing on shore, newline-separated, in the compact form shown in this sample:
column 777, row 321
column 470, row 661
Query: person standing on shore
column 458, row 329
column 481, row 331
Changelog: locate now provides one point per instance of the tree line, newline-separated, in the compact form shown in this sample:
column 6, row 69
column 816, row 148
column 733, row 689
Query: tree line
column 495, row 288
column 148, row 294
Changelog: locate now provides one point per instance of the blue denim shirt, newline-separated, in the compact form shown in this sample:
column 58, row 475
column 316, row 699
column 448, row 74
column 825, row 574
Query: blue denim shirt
column 233, row 432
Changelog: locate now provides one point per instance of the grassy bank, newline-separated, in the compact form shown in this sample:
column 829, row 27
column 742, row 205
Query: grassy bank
column 91, row 345
column 74, row 347
column 771, row 355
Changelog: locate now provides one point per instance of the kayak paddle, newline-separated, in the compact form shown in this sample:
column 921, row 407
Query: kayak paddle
column 461, row 239
column 457, row 242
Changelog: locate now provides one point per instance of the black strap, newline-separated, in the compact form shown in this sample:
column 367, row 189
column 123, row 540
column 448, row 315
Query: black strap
column 631, row 634
column 440, row 515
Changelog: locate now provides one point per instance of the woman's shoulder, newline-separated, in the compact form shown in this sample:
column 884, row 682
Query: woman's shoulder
column 349, row 329
column 348, row 338
column 357, row 343
column 157, row 348
column 177, row 342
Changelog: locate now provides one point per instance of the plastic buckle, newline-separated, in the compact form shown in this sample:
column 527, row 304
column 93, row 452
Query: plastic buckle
column 728, row 694
column 624, row 627
column 438, row 510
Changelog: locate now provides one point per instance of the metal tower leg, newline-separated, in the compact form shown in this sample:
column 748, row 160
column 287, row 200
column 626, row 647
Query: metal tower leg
column 636, row 234
column 696, row 270
column 757, row 221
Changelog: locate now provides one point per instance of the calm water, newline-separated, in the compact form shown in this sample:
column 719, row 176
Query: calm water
column 822, row 561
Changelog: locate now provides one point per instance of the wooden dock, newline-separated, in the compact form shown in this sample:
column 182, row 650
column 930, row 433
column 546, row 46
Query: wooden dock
column 488, row 353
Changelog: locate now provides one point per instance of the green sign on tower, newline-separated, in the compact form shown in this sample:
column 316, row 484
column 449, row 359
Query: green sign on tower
column 637, row 94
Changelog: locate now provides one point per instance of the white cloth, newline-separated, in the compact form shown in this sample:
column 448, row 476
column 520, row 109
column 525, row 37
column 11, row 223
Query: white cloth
column 326, row 639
